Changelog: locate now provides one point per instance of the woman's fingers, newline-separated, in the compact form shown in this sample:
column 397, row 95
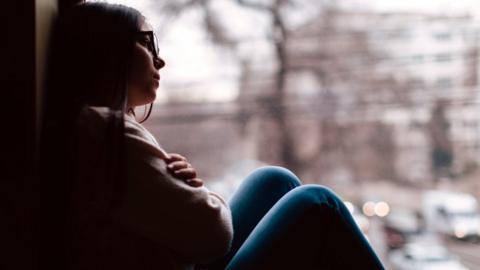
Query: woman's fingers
column 187, row 173
column 195, row 182
column 175, row 157
column 178, row 165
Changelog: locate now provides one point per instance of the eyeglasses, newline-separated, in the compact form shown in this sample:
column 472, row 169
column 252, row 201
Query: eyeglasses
column 148, row 39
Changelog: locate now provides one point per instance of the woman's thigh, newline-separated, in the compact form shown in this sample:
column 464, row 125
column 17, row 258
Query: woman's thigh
column 255, row 197
column 308, row 228
column 252, row 200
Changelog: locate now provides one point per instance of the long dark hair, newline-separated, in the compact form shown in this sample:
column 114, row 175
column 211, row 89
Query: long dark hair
column 89, row 65
column 92, row 49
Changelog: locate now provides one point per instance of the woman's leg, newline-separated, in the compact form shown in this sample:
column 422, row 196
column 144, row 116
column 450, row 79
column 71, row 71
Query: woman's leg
column 251, row 201
column 308, row 228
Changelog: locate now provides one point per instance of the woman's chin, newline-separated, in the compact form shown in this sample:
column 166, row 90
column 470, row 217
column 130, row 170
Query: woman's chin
column 152, row 96
column 156, row 84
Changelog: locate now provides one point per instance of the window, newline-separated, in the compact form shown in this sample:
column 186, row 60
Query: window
column 418, row 58
column 444, row 83
column 443, row 57
column 443, row 36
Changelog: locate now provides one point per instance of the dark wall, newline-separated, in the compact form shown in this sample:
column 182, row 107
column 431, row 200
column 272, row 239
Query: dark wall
column 19, row 185
column 17, row 181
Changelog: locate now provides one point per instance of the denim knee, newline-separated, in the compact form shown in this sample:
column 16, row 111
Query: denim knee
column 317, row 195
column 273, row 177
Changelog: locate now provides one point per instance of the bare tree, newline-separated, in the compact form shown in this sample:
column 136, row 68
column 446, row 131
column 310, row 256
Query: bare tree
column 279, row 35
column 341, row 58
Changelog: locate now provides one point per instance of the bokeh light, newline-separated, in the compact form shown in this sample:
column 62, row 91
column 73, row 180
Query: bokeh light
column 382, row 209
column 369, row 209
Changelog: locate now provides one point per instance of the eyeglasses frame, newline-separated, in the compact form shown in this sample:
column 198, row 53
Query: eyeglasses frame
column 153, row 42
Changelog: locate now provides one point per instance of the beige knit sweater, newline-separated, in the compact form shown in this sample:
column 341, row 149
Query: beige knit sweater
column 158, row 222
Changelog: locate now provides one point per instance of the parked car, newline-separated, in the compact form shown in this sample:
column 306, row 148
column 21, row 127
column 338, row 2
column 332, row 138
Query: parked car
column 424, row 256
column 452, row 214
column 399, row 226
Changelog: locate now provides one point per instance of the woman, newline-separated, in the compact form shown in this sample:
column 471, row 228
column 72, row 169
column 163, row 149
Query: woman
column 114, row 199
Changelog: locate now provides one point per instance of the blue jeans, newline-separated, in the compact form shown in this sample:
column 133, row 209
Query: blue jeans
column 279, row 224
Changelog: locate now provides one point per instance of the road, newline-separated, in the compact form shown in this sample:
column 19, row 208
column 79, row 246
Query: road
column 408, row 198
column 469, row 253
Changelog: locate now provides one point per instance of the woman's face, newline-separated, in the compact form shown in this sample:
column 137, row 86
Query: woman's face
column 144, row 77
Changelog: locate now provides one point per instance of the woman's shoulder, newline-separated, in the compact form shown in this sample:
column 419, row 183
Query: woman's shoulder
column 99, row 114
column 135, row 129
column 93, row 121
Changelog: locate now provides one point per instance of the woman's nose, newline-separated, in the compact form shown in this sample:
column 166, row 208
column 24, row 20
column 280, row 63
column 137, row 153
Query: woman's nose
column 158, row 62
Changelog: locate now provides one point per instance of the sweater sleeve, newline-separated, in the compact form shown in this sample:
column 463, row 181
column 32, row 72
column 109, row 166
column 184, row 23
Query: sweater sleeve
column 192, row 222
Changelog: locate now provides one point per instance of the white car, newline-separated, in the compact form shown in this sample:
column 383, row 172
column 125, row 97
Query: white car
column 451, row 213
column 424, row 256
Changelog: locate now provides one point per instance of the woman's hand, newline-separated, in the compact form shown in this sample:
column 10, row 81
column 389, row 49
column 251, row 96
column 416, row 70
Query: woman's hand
column 178, row 166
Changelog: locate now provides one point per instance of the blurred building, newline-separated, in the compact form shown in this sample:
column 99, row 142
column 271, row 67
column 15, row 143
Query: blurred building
column 388, row 71
column 436, row 57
